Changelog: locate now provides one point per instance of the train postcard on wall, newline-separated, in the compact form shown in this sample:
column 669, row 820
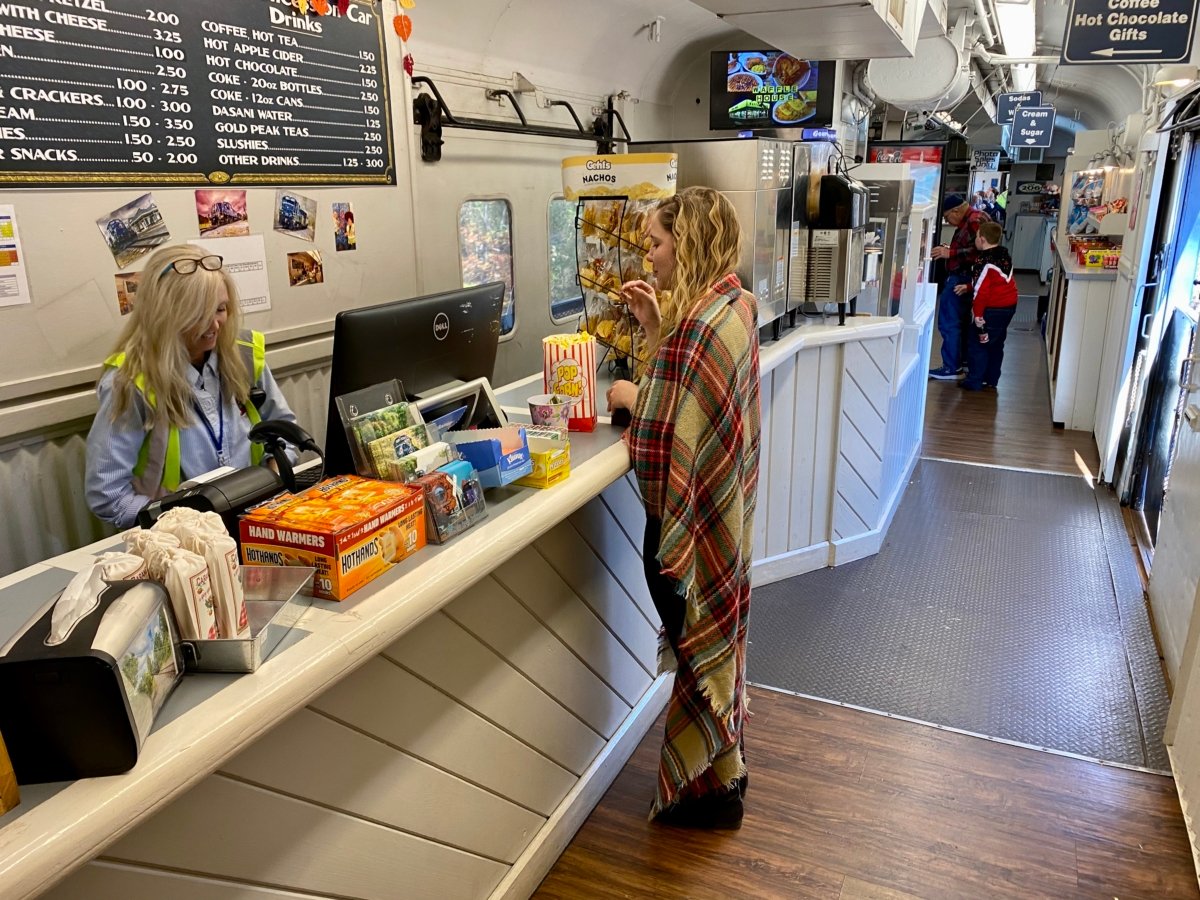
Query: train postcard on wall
column 113, row 92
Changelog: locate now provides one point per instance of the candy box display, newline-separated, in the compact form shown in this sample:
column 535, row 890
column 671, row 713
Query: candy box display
column 550, row 452
column 453, row 500
column 349, row 529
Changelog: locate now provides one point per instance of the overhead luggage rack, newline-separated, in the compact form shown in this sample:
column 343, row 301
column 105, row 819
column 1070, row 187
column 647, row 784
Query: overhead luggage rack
column 432, row 114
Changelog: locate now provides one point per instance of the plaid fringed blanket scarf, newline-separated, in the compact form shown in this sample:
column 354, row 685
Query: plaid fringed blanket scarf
column 694, row 445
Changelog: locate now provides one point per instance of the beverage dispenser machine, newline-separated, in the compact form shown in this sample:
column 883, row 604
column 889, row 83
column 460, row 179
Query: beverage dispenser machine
column 835, row 255
column 756, row 175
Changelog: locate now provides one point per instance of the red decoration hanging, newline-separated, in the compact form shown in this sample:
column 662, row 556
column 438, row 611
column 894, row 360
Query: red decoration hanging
column 342, row 6
column 408, row 64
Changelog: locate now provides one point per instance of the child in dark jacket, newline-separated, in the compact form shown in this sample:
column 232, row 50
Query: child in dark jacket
column 993, row 304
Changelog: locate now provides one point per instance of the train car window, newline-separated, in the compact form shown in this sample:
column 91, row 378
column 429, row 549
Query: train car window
column 485, row 251
column 566, row 300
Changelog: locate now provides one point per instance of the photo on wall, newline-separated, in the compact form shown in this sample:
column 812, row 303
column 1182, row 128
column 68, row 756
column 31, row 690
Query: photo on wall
column 134, row 229
column 296, row 215
column 305, row 267
column 127, row 284
column 343, row 227
column 222, row 213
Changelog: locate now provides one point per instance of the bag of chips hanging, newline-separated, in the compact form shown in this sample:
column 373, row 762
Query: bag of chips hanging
column 569, row 370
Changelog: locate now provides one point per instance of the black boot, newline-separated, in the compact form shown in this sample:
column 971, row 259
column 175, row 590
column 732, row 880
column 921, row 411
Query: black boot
column 715, row 811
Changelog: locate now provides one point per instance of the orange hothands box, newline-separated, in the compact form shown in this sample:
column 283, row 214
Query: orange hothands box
column 349, row 529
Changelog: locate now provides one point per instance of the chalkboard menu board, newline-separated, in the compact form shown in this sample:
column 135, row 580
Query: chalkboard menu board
column 183, row 92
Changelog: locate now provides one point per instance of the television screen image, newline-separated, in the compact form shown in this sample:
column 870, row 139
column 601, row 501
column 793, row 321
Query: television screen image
column 760, row 89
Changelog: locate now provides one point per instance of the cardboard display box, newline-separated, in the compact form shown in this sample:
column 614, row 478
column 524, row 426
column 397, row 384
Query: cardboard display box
column 349, row 529
column 499, row 455
column 550, row 453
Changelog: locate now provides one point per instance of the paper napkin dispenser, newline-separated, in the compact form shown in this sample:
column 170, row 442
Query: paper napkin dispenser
column 80, row 687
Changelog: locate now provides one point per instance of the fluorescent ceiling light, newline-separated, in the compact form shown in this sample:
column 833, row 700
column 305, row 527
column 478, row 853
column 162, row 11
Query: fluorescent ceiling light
column 1176, row 75
column 1018, row 31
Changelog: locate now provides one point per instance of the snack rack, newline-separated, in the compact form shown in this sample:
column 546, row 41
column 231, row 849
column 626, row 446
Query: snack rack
column 610, row 249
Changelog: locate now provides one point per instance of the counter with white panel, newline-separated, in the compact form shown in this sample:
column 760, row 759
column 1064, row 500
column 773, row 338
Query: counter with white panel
column 449, row 726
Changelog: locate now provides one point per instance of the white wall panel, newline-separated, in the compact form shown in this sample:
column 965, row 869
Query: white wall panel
column 776, row 473
column 762, row 510
column 808, row 483
column 625, row 503
column 1176, row 571
column 383, row 700
column 491, row 612
column 364, row 777
column 576, row 563
column 622, row 556
column 99, row 879
column 442, row 653
column 228, row 829
column 551, row 600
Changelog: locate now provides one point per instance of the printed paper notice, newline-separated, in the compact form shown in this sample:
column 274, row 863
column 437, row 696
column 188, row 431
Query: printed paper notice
column 245, row 258
column 14, row 285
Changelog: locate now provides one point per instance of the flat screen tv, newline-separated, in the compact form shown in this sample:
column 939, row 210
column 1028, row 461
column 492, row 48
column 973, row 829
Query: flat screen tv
column 760, row 89
column 426, row 343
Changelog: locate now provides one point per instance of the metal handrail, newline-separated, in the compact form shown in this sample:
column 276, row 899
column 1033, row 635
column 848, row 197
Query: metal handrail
column 449, row 120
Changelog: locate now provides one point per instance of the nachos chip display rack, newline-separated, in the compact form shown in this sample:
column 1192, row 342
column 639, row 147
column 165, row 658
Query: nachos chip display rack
column 611, row 249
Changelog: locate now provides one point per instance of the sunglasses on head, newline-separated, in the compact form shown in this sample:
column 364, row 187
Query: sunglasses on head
column 188, row 265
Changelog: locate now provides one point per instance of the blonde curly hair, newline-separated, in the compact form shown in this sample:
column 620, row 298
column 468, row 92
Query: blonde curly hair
column 708, row 246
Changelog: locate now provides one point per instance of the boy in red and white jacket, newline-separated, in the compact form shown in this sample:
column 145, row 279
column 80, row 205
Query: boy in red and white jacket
column 993, row 291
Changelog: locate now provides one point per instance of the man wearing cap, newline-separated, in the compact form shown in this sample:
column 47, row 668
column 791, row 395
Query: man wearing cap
column 959, row 256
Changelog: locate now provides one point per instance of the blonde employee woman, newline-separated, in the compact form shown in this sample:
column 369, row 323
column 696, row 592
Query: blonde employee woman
column 181, row 390
column 694, row 446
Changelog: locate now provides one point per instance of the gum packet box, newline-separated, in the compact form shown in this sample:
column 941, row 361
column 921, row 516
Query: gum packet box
column 350, row 529
column 276, row 598
column 550, row 453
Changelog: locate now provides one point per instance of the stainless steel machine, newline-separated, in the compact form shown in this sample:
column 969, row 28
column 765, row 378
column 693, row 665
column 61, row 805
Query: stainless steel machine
column 835, row 254
column 891, row 201
column 756, row 175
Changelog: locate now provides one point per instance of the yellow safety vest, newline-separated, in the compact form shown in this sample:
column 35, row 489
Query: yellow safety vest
column 159, row 454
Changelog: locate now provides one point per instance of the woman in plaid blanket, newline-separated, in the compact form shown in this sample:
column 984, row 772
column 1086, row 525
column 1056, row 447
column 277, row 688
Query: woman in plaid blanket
column 693, row 442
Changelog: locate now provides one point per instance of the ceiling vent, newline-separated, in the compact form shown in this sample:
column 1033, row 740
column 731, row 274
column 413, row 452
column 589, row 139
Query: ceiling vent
column 937, row 76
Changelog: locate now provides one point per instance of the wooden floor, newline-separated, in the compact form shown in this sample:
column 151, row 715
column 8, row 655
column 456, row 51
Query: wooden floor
column 1010, row 426
column 846, row 804
column 850, row 804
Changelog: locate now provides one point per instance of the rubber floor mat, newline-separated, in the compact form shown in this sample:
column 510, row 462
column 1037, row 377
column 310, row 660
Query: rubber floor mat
column 1004, row 603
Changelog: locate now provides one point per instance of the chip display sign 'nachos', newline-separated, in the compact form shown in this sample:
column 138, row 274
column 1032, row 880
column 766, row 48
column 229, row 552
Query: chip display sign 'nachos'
column 614, row 195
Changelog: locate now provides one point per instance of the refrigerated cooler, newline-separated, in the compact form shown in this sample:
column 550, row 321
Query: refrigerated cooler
column 756, row 175
column 890, row 189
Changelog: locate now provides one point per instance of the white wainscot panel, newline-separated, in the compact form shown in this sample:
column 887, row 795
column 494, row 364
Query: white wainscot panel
column 227, row 829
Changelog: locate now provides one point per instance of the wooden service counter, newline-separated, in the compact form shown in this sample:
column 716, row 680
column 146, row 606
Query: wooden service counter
column 445, row 731
column 1076, row 324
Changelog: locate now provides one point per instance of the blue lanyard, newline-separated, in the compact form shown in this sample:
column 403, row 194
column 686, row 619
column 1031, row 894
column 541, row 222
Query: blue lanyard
column 216, row 437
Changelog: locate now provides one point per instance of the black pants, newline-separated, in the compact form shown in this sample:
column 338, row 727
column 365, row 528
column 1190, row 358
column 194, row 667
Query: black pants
column 984, row 360
column 663, row 590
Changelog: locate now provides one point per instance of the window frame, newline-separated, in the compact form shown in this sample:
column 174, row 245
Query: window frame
column 512, row 256
column 561, row 320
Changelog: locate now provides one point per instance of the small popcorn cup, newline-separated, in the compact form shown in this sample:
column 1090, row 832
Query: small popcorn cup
column 551, row 410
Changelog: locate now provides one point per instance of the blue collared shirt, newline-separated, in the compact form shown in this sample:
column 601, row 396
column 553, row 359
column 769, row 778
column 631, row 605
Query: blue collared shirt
column 113, row 446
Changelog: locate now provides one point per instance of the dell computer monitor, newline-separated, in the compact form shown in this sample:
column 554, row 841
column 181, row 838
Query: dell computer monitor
column 425, row 342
